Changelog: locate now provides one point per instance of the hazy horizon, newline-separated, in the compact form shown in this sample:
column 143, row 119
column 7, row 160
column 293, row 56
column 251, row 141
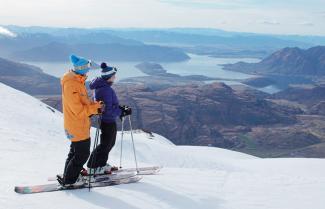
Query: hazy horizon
column 4, row 30
column 293, row 17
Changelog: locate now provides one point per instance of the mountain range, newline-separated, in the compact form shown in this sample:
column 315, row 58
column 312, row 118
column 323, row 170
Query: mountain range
column 212, row 42
column 287, row 61
column 48, row 47
column 55, row 51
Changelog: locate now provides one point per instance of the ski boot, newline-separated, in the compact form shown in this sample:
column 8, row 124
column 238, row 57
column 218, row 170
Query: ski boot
column 80, row 182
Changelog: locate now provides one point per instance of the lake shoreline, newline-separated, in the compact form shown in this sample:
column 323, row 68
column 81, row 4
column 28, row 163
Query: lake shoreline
column 205, row 68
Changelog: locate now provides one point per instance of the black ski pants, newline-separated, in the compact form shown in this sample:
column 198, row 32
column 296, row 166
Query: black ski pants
column 77, row 157
column 99, row 156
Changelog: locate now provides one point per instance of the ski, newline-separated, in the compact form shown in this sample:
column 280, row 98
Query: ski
column 151, row 170
column 102, row 177
column 142, row 170
column 113, row 177
column 57, row 187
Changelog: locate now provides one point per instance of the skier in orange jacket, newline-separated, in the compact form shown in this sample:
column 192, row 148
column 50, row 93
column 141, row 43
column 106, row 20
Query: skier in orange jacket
column 77, row 110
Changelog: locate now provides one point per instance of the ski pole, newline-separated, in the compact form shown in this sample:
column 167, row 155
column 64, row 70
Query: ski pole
column 134, row 152
column 122, row 134
column 94, row 150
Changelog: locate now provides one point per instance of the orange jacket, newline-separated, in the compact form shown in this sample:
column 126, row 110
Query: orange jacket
column 77, row 107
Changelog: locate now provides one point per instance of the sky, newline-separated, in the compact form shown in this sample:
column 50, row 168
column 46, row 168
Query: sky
column 300, row 17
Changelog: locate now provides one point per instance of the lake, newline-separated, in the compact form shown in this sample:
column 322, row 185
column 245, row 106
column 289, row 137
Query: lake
column 197, row 65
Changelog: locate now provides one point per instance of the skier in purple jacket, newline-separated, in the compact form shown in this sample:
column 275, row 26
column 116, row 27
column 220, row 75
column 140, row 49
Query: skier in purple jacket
column 104, row 92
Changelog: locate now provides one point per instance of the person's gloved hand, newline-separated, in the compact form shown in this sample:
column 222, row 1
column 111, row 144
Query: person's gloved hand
column 126, row 110
column 101, row 109
column 98, row 107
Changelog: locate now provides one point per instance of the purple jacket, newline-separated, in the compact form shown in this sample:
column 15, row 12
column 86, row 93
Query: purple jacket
column 105, row 93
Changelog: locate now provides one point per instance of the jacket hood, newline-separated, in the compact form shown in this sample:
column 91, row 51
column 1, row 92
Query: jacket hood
column 71, row 76
column 98, row 83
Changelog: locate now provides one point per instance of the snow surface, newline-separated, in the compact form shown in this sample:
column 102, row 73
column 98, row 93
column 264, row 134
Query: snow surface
column 34, row 147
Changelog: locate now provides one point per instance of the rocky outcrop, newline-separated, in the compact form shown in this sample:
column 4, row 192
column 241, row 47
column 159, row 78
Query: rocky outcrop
column 318, row 109
column 151, row 68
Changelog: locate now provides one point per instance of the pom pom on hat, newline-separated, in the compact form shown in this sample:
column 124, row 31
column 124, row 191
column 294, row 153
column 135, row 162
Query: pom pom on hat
column 103, row 65
column 107, row 72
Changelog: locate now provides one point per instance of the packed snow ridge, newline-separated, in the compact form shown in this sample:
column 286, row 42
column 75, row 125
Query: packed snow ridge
column 34, row 148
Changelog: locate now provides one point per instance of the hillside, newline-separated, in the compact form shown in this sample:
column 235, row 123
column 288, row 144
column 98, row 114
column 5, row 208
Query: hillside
column 27, row 78
column 307, row 95
column 288, row 61
column 192, row 177
column 195, row 114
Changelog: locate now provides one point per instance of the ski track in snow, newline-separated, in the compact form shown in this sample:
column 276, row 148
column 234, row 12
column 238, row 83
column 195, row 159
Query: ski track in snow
column 34, row 147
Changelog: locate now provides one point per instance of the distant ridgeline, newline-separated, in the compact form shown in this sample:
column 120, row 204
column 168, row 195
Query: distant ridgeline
column 100, row 46
column 114, row 52
column 28, row 78
column 154, row 45
column 288, row 61
column 285, row 67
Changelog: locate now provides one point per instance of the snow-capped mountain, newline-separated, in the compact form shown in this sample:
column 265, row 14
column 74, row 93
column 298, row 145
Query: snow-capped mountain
column 34, row 147
column 6, row 32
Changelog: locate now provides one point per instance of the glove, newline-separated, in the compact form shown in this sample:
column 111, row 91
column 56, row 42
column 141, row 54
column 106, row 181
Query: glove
column 98, row 106
column 102, row 107
column 126, row 110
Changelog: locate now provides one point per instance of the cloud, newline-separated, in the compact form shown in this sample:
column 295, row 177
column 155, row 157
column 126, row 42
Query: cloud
column 6, row 32
column 322, row 14
column 306, row 24
column 269, row 22
column 223, row 22
column 206, row 4
column 319, row 14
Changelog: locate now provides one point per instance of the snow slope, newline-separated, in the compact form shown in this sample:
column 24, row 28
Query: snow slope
column 34, row 147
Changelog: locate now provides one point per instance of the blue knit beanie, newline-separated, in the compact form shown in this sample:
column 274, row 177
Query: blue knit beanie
column 107, row 72
column 81, row 65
